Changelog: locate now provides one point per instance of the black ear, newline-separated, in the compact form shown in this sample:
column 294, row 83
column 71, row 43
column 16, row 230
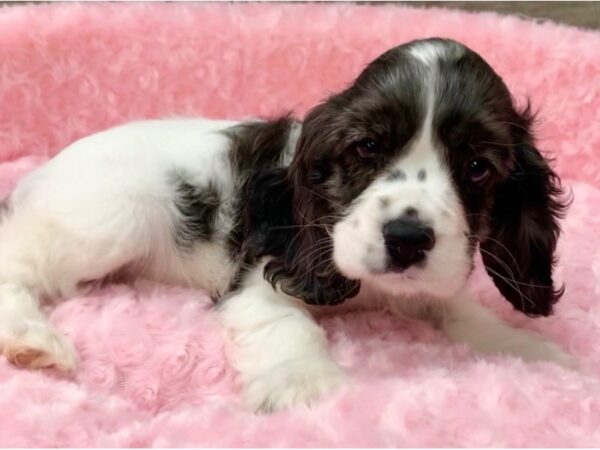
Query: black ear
column 306, row 269
column 519, row 251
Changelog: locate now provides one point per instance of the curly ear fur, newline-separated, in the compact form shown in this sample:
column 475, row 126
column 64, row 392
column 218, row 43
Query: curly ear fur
column 282, row 217
column 301, row 265
column 519, row 251
column 306, row 269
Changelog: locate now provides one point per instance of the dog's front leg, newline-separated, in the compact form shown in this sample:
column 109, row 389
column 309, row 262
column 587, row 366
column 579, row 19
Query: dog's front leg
column 465, row 320
column 278, row 349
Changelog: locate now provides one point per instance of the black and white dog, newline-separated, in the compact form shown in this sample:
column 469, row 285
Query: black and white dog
column 385, row 191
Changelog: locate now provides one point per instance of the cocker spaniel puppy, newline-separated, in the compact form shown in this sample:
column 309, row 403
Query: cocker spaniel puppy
column 385, row 190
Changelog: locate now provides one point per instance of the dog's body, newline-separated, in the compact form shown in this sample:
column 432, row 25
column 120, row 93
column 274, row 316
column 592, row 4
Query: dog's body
column 271, row 217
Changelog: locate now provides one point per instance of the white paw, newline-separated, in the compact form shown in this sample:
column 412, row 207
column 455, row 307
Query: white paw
column 293, row 383
column 35, row 345
column 532, row 348
column 524, row 345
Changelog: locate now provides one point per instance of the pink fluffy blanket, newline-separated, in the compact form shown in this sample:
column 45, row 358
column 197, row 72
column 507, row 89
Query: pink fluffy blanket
column 152, row 370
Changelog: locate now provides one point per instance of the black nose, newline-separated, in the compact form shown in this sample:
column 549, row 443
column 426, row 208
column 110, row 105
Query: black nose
column 406, row 242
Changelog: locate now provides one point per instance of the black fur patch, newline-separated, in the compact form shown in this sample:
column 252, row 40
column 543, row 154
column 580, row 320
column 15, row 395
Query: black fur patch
column 384, row 202
column 273, row 231
column 396, row 174
column 256, row 148
column 198, row 206
column 266, row 217
column 411, row 212
column 514, row 213
column 258, row 145
column 265, row 222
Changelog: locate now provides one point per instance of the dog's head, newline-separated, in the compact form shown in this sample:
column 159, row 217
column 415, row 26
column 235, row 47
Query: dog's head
column 400, row 178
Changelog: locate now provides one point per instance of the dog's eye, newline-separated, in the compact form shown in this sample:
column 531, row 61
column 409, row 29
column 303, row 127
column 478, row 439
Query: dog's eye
column 479, row 170
column 367, row 149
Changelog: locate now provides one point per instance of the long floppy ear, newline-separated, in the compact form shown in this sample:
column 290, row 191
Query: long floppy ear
column 306, row 269
column 519, row 252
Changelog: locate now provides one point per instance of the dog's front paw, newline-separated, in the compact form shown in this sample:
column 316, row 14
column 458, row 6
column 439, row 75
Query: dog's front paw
column 35, row 345
column 293, row 383
column 532, row 348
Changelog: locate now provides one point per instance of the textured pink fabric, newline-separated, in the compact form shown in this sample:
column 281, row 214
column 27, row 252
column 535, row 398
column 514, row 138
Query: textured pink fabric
column 153, row 370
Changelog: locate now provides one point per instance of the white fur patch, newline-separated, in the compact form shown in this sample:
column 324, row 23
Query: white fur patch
column 466, row 321
column 279, row 350
column 290, row 148
column 430, row 52
column 427, row 52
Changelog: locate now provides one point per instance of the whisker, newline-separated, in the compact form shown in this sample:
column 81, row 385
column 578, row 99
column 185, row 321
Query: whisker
column 514, row 286
column 521, row 283
column 496, row 241
column 317, row 194
column 319, row 246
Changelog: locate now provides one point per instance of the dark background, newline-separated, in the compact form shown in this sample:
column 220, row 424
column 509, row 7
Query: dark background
column 579, row 14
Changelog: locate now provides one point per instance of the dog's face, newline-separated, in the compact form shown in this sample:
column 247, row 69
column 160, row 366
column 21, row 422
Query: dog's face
column 423, row 159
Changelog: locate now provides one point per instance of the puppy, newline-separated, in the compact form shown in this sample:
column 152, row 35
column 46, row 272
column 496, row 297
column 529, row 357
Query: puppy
column 386, row 190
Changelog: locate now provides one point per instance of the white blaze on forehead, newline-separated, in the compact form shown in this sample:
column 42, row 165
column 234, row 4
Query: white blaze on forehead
column 422, row 155
column 422, row 151
column 430, row 52
column 290, row 147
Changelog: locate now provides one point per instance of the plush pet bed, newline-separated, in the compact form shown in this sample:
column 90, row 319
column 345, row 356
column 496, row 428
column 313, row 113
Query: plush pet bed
column 152, row 370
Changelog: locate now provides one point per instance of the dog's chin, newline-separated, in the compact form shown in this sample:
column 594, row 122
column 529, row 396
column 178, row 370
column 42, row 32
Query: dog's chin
column 412, row 282
column 406, row 284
